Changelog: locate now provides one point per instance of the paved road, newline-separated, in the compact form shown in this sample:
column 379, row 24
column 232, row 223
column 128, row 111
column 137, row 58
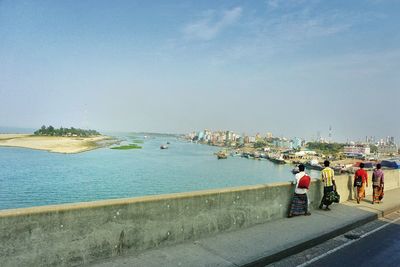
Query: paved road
column 374, row 244
column 381, row 248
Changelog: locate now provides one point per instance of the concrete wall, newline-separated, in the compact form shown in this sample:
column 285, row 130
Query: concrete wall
column 347, row 191
column 76, row 234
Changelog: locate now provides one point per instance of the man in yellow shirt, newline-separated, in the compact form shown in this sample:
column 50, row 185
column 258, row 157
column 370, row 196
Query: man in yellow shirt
column 328, row 178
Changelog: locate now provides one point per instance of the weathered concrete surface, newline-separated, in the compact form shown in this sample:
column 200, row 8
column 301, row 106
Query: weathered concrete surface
column 265, row 243
column 347, row 191
column 76, row 234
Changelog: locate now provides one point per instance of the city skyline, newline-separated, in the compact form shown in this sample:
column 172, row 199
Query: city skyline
column 292, row 68
column 367, row 140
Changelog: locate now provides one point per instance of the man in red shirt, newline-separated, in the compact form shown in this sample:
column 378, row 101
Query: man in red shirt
column 360, row 181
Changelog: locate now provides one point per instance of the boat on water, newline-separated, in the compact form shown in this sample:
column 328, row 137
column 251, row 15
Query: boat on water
column 222, row 155
column 163, row 147
column 278, row 159
column 246, row 155
column 313, row 165
column 236, row 154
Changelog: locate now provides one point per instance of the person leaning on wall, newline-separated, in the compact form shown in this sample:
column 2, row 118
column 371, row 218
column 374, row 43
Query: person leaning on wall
column 299, row 205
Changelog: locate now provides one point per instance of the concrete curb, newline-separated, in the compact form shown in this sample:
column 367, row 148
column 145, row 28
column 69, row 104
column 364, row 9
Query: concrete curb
column 320, row 239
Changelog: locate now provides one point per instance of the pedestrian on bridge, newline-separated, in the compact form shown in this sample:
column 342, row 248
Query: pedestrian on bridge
column 360, row 182
column 377, row 184
column 299, row 205
column 328, row 179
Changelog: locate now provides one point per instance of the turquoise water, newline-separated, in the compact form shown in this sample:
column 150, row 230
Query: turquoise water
column 35, row 178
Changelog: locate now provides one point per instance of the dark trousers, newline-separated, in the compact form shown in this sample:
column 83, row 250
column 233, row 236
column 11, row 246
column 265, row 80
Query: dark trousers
column 327, row 189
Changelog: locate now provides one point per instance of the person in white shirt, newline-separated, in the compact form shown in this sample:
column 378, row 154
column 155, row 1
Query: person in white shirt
column 299, row 205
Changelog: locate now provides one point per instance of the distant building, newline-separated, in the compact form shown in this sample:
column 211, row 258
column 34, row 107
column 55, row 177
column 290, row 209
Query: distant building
column 387, row 149
column 241, row 140
column 297, row 143
column 282, row 143
column 357, row 150
column 201, row 136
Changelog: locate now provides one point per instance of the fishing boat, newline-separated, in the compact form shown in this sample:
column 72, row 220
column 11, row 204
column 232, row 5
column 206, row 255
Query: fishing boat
column 222, row 155
column 246, row 155
column 163, row 147
column 278, row 159
column 314, row 165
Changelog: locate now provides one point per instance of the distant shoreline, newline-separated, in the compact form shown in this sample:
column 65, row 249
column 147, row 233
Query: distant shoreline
column 56, row 144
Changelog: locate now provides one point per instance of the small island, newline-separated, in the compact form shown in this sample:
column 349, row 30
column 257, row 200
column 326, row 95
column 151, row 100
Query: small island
column 62, row 140
column 126, row 147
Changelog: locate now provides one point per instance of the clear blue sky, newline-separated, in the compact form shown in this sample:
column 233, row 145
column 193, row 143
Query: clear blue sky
column 290, row 67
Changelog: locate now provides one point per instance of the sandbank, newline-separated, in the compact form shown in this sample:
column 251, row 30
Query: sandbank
column 57, row 144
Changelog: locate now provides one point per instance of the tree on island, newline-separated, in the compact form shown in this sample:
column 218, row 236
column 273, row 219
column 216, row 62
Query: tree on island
column 51, row 131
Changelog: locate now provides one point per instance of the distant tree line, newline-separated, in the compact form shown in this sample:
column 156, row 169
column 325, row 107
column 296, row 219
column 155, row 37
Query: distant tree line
column 51, row 131
column 326, row 148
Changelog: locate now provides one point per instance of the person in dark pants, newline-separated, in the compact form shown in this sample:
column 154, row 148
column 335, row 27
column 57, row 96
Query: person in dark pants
column 328, row 178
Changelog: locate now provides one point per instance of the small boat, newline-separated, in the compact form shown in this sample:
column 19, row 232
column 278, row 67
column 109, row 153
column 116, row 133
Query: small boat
column 167, row 143
column 277, row 159
column 246, row 155
column 222, row 155
column 163, row 147
column 314, row 165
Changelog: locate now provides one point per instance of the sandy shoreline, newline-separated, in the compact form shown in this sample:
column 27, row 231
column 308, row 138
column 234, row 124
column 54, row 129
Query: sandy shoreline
column 57, row 144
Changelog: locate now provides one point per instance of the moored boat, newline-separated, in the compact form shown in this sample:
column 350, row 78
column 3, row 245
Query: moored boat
column 278, row 159
column 222, row 155
column 313, row 165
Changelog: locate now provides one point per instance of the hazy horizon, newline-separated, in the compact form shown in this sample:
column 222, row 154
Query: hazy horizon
column 293, row 68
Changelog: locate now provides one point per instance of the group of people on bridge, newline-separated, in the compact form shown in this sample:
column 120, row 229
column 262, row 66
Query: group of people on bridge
column 299, row 204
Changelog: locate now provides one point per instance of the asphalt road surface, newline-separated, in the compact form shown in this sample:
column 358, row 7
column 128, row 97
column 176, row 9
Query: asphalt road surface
column 374, row 244
column 381, row 248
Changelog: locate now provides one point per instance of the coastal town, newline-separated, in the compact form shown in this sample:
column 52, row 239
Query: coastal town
column 345, row 157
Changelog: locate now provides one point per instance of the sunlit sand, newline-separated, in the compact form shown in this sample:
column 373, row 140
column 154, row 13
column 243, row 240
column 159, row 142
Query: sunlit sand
column 55, row 144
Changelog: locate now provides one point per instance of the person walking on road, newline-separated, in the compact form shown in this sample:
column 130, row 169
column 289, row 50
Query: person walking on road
column 360, row 182
column 328, row 178
column 299, row 204
column 377, row 184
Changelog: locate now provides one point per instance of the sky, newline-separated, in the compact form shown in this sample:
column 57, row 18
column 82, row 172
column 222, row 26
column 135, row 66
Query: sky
column 290, row 67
